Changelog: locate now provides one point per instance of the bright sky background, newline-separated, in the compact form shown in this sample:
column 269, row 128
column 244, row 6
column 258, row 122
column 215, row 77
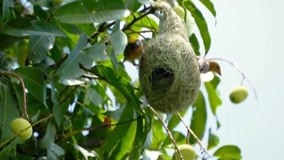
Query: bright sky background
column 250, row 33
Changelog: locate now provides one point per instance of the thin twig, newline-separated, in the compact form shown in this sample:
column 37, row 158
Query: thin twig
column 95, row 127
column 43, row 119
column 242, row 74
column 168, row 131
column 152, row 10
column 25, row 109
column 101, row 29
column 194, row 135
column 140, row 32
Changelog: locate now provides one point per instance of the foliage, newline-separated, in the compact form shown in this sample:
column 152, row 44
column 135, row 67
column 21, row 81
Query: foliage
column 80, row 98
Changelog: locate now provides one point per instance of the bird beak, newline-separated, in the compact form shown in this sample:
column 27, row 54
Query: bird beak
column 215, row 67
column 219, row 72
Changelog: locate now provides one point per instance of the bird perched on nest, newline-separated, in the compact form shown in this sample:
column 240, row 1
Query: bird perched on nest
column 133, row 50
column 206, row 65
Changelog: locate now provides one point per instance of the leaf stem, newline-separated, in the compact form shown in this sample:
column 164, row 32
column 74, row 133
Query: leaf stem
column 73, row 132
column 25, row 109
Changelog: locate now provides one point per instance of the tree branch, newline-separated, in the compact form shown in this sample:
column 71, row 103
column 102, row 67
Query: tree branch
column 168, row 131
column 203, row 150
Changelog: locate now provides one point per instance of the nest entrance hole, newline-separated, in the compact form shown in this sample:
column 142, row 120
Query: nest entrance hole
column 161, row 79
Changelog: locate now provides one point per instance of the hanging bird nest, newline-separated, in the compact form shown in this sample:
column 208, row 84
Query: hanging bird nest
column 168, row 69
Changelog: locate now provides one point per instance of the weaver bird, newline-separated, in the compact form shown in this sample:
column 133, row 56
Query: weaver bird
column 133, row 50
column 206, row 65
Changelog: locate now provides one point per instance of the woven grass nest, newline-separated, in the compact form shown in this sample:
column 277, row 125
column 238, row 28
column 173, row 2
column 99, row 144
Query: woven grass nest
column 168, row 70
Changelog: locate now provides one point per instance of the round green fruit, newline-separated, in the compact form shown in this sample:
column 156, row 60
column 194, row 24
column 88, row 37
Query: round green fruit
column 238, row 94
column 20, row 125
column 57, row 2
column 187, row 151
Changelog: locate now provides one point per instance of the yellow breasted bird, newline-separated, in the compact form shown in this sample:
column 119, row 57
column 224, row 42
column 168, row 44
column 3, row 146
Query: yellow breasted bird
column 133, row 50
column 206, row 65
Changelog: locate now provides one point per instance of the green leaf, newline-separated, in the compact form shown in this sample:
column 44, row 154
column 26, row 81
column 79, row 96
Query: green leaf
column 201, row 23
column 195, row 44
column 127, row 141
column 156, row 135
column 39, row 28
column 54, row 151
column 77, row 13
column 228, row 152
column 58, row 113
column 101, row 5
column 175, row 120
column 34, row 82
column 210, row 6
column 39, row 11
column 7, row 41
column 213, row 95
column 9, row 150
column 178, row 137
column 49, row 136
column 18, row 91
column 6, row 11
column 113, row 145
column 92, row 96
column 70, row 68
column 39, row 47
column 86, row 154
column 145, row 22
column 118, row 41
column 213, row 140
column 199, row 118
column 57, row 108
column 97, row 52
column 23, row 52
column 8, row 110
column 74, row 8
column 120, row 83
column 141, row 134
column 132, row 5
column 48, row 28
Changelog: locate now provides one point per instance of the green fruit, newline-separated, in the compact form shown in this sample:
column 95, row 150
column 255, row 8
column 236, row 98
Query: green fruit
column 20, row 125
column 23, row 53
column 238, row 94
column 187, row 151
column 57, row 2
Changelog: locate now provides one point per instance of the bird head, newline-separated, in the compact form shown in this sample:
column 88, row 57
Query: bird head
column 133, row 50
column 214, row 67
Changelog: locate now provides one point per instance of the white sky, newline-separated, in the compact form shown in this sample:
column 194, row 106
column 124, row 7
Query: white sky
column 250, row 33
